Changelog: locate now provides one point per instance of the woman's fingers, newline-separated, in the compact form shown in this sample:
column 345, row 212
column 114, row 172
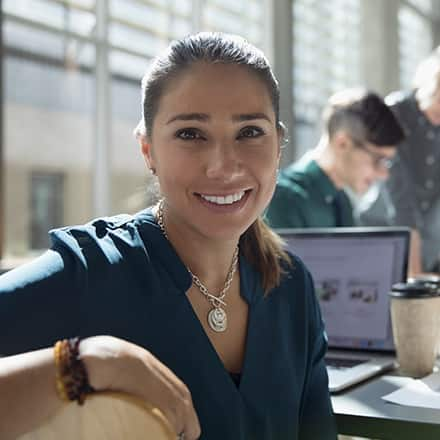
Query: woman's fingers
column 119, row 365
column 173, row 398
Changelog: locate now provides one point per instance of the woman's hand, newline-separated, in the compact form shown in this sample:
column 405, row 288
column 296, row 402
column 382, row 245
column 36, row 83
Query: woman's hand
column 118, row 365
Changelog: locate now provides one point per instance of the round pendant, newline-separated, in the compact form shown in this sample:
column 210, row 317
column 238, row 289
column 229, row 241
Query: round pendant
column 217, row 319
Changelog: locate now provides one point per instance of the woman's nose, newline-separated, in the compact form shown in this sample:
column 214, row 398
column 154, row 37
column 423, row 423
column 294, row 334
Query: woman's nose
column 223, row 162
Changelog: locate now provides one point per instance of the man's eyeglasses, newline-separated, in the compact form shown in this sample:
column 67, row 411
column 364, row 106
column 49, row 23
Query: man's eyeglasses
column 379, row 161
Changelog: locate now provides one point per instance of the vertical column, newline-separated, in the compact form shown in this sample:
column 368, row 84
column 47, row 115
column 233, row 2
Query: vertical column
column 196, row 17
column 101, row 166
column 380, row 44
column 280, row 51
column 436, row 24
column 2, row 150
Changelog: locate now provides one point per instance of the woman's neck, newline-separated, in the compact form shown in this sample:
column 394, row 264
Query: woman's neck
column 207, row 258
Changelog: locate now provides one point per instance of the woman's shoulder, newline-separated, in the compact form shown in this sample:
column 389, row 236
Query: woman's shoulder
column 105, row 235
column 295, row 273
column 294, row 265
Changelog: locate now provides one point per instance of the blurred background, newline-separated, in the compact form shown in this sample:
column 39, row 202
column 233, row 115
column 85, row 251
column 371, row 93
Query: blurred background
column 70, row 88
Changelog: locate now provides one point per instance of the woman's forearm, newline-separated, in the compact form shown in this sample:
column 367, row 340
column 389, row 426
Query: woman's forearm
column 28, row 393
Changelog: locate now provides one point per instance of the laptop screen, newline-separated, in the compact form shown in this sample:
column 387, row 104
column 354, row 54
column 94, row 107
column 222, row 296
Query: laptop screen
column 353, row 270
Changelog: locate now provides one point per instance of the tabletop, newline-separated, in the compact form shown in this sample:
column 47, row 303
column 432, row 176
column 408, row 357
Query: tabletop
column 361, row 411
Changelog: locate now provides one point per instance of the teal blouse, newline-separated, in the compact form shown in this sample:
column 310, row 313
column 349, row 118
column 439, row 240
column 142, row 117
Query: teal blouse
column 120, row 276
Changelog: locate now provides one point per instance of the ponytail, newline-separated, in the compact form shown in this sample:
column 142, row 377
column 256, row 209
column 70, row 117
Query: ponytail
column 264, row 249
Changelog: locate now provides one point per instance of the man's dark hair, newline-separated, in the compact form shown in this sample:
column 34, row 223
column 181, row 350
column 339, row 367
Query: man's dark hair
column 364, row 116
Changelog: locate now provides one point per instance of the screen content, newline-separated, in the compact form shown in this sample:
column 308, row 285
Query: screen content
column 352, row 277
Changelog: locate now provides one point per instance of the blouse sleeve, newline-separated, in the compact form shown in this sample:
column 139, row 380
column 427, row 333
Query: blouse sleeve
column 316, row 418
column 40, row 301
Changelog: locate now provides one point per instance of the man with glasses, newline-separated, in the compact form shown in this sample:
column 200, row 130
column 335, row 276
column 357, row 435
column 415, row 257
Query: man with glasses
column 356, row 150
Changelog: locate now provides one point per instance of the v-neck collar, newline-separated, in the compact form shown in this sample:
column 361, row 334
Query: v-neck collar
column 252, row 292
column 250, row 289
column 250, row 285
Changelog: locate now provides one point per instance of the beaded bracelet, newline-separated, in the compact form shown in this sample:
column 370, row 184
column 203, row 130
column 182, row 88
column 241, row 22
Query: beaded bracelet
column 71, row 378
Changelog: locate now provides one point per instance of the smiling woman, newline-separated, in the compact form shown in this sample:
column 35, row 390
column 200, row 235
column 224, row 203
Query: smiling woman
column 197, row 280
column 230, row 147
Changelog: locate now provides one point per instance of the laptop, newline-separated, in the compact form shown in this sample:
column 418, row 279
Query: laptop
column 353, row 270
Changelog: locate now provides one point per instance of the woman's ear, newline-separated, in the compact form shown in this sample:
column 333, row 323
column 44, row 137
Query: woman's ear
column 147, row 152
column 282, row 134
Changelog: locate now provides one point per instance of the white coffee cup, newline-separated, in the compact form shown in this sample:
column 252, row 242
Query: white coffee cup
column 432, row 281
column 415, row 317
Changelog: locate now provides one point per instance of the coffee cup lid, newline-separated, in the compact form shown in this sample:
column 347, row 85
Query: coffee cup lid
column 413, row 290
column 426, row 279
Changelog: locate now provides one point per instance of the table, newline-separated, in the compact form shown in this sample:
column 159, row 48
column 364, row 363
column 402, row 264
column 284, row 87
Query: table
column 361, row 412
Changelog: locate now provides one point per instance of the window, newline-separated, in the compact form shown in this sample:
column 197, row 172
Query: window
column 326, row 58
column 243, row 17
column 415, row 41
column 47, row 195
column 54, row 51
column 49, row 107
column 424, row 6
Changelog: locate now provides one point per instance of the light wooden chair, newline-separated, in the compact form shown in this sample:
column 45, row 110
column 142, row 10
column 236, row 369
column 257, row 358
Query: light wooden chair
column 105, row 416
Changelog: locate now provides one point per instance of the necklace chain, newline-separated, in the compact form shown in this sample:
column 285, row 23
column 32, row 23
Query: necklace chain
column 216, row 300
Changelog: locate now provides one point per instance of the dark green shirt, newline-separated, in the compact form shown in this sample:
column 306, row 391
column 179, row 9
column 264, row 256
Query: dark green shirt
column 120, row 276
column 305, row 197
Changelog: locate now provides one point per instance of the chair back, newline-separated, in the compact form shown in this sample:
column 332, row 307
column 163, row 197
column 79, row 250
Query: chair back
column 105, row 416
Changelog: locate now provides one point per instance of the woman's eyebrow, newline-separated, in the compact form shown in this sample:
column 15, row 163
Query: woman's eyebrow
column 250, row 117
column 203, row 117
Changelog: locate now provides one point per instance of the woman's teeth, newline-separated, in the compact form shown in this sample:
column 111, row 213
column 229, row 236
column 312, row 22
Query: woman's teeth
column 224, row 200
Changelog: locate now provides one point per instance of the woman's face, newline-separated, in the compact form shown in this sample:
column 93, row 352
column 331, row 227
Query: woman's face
column 215, row 148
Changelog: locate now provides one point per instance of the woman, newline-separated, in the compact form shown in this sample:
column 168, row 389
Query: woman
column 198, row 280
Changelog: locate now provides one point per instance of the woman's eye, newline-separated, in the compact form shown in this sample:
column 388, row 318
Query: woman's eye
column 188, row 134
column 250, row 132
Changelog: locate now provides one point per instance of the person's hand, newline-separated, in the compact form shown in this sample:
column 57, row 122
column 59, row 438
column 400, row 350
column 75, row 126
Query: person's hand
column 118, row 365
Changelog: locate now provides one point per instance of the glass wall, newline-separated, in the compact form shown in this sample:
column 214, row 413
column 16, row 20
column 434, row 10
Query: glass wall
column 51, row 65
column 415, row 38
column 49, row 90
column 71, row 82
column 326, row 58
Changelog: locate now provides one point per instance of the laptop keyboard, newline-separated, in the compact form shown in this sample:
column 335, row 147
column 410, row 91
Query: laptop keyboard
column 340, row 363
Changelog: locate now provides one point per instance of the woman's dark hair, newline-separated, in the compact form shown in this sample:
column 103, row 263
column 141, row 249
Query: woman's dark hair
column 209, row 48
column 260, row 245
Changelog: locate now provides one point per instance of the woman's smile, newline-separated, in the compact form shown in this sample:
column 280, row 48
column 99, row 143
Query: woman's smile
column 223, row 200
column 225, row 204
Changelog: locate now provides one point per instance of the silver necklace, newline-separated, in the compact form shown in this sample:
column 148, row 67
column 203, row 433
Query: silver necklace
column 217, row 318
